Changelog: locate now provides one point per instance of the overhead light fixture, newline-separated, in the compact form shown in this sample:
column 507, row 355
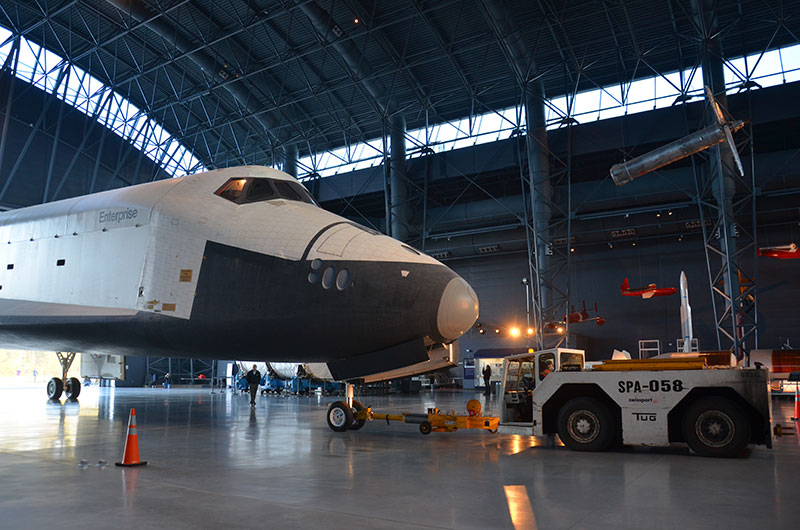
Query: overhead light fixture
column 669, row 212
column 658, row 214
column 572, row 249
column 481, row 331
column 514, row 332
column 497, row 331
column 610, row 245
column 530, row 331
column 559, row 329
column 634, row 243
column 356, row 21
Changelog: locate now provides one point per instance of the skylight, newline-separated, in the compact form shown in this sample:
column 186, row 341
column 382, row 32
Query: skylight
column 83, row 91
column 760, row 70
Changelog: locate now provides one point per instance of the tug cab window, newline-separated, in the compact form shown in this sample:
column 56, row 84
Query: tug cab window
column 249, row 190
column 546, row 365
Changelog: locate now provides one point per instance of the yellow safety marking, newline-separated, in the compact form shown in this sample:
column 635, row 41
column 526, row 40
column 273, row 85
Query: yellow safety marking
column 186, row 275
column 168, row 307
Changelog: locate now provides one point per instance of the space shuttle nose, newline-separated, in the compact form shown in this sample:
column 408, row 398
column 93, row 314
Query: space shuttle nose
column 458, row 309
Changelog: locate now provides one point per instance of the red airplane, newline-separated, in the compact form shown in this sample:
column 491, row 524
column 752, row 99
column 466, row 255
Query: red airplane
column 789, row 251
column 645, row 292
column 578, row 317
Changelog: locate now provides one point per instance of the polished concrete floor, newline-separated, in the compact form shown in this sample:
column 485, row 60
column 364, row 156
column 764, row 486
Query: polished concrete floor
column 214, row 462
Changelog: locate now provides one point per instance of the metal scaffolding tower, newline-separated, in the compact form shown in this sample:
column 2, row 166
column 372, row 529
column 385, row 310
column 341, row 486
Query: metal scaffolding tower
column 723, row 197
column 726, row 196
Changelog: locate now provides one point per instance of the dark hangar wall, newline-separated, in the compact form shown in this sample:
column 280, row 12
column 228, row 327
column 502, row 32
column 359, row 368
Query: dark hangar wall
column 597, row 273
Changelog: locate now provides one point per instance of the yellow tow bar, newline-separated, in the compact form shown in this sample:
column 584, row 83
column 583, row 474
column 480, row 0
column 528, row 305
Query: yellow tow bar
column 436, row 420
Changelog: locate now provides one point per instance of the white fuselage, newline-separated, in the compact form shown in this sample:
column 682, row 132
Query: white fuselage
column 148, row 252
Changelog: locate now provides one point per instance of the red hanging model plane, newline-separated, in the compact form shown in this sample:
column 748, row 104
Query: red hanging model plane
column 575, row 317
column 789, row 251
column 578, row 317
column 645, row 292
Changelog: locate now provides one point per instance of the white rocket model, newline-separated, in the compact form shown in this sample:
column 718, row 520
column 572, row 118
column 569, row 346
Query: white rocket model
column 686, row 315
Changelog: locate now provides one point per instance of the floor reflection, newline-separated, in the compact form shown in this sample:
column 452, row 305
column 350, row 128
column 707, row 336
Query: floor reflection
column 221, row 454
column 519, row 507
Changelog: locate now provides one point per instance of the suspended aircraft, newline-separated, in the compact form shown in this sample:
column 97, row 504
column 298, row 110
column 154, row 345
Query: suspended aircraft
column 645, row 292
column 781, row 252
column 576, row 317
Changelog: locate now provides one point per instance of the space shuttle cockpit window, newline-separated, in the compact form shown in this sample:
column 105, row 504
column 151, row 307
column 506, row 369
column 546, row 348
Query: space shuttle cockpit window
column 259, row 190
column 248, row 190
column 232, row 190
column 286, row 191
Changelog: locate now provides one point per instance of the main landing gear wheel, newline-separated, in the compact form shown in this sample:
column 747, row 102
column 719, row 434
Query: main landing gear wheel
column 54, row 388
column 357, row 424
column 340, row 416
column 72, row 388
column 715, row 426
column 586, row 424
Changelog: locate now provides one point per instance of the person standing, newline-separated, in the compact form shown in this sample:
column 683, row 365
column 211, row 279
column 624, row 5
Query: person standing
column 253, row 378
column 487, row 376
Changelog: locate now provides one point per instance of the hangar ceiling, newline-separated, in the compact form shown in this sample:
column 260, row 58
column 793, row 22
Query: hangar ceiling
column 238, row 81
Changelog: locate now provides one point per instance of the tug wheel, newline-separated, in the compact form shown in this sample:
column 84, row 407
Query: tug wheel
column 586, row 424
column 339, row 416
column 715, row 426
column 425, row 427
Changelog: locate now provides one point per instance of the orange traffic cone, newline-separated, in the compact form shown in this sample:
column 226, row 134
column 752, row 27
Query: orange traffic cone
column 796, row 416
column 130, row 457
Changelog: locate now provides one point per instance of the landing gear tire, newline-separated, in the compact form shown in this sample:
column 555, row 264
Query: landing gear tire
column 54, row 388
column 586, row 424
column 716, row 427
column 72, row 388
column 339, row 416
column 357, row 424
column 425, row 427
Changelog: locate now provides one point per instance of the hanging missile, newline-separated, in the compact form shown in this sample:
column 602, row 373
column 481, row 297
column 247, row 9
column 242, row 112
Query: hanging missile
column 721, row 131
column 712, row 135
column 686, row 315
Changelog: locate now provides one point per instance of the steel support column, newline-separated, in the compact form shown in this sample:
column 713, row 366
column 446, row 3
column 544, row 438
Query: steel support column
column 397, row 178
column 396, row 183
column 549, row 295
column 723, row 196
column 290, row 159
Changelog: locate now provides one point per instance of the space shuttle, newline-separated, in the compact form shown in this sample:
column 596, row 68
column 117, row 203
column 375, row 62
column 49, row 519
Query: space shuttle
column 237, row 263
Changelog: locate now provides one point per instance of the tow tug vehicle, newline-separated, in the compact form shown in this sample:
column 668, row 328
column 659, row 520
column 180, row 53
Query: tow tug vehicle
column 653, row 402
